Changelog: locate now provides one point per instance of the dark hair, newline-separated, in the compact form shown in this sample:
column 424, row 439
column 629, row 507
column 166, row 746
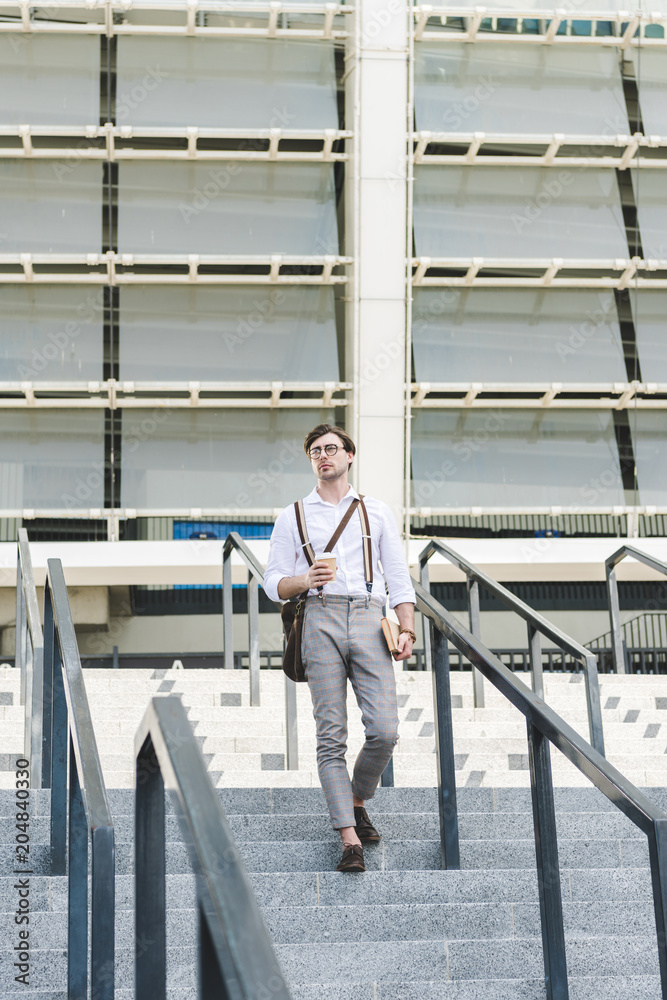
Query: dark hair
column 321, row 429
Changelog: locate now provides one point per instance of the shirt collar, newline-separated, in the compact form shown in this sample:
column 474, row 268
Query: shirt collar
column 314, row 497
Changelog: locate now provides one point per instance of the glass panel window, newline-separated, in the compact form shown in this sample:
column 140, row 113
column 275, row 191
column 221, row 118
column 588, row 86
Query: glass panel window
column 51, row 207
column 651, row 76
column 650, row 444
column 517, row 212
column 52, row 459
column 227, row 208
column 228, row 333
column 50, row 79
column 651, row 199
column 510, row 458
column 649, row 310
column 519, row 89
column 50, row 333
column 516, row 335
column 260, row 83
column 216, row 458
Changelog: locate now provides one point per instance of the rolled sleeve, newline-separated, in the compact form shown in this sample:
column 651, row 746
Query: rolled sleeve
column 282, row 555
column 395, row 568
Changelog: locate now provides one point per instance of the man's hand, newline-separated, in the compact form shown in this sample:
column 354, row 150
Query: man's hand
column 404, row 647
column 291, row 586
column 406, row 618
column 318, row 574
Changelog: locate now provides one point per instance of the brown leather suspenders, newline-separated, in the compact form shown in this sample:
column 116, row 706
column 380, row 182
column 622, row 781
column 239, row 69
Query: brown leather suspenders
column 365, row 536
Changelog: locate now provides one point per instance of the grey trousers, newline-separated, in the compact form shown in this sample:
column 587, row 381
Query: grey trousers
column 342, row 638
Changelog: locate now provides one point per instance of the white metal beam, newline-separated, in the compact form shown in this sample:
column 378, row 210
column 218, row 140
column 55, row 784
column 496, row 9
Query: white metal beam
column 627, row 145
column 554, row 272
column 554, row 395
column 549, row 23
column 114, row 17
column 111, row 394
column 87, row 147
column 107, row 265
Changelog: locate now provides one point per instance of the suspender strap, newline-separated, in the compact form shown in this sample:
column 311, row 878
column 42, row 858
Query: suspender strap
column 367, row 544
column 303, row 533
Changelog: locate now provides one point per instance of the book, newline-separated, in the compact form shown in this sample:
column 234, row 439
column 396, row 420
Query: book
column 391, row 630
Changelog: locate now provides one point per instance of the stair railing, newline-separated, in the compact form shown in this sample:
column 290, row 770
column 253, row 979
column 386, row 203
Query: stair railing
column 544, row 727
column 236, row 958
column 30, row 660
column 618, row 651
column 537, row 627
column 234, row 543
column 79, row 804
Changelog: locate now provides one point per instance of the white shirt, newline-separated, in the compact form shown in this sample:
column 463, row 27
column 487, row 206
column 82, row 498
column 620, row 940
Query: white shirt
column 286, row 556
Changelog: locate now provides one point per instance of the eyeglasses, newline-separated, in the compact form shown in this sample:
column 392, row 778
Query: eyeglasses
column 329, row 449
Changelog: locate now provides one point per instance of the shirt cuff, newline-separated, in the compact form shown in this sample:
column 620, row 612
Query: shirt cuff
column 402, row 597
column 271, row 586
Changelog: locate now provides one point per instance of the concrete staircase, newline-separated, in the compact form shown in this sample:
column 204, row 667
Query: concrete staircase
column 404, row 930
column 245, row 746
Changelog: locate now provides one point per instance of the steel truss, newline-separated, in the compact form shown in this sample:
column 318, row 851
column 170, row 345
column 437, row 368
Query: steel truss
column 535, row 395
column 169, row 269
column 200, row 18
column 557, row 272
column 113, row 143
column 543, row 150
column 126, row 395
column 460, row 24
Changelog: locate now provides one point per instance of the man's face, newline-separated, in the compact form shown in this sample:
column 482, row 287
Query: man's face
column 328, row 467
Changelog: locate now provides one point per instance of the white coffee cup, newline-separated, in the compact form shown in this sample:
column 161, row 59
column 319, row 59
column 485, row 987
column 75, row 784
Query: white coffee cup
column 330, row 559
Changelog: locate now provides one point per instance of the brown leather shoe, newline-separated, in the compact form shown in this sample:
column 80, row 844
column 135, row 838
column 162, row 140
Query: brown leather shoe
column 352, row 860
column 365, row 829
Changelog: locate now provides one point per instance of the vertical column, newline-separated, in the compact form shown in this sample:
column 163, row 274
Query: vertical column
column 376, row 236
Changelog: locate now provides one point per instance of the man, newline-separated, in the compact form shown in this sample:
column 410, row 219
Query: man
column 342, row 636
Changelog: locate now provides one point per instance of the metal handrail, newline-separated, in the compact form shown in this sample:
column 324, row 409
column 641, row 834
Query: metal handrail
column 537, row 626
column 617, row 649
column 236, row 956
column 234, row 543
column 544, row 726
column 79, row 786
column 30, row 660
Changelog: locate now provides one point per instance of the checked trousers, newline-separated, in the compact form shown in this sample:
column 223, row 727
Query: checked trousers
column 342, row 639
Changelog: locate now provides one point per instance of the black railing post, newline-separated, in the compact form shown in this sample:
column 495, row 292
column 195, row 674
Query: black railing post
column 150, row 947
column 59, row 745
column 77, row 896
column 618, row 652
column 444, row 746
column 548, row 869
column 657, row 846
column 387, row 778
column 211, row 982
column 476, row 629
column 103, row 911
column 227, row 609
column 593, row 704
column 47, row 702
column 535, row 654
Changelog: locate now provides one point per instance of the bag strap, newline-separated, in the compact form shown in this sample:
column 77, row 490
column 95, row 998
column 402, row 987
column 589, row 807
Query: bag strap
column 342, row 526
